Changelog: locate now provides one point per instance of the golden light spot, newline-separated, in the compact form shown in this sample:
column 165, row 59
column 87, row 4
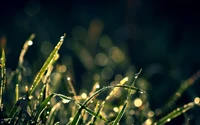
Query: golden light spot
column 26, row 88
column 96, row 77
column 84, row 95
column 101, row 59
column 137, row 102
column 105, row 41
column 62, row 68
column 131, row 112
column 150, row 113
column 148, row 122
column 116, row 54
column 197, row 100
column 116, row 109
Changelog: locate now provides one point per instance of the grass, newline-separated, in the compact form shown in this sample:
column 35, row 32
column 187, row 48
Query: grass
column 43, row 104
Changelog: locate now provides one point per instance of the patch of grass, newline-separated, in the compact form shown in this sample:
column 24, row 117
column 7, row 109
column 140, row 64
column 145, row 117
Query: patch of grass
column 43, row 104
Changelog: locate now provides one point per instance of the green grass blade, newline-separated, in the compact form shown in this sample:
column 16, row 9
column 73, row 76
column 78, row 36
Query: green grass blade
column 187, row 83
column 47, row 63
column 41, row 108
column 24, row 50
column 3, row 78
column 122, row 82
column 57, row 123
column 17, row 109
column 82, row 106
column 16, row 92
column 53, row 113
column 78, row 113
column 131, row 88
column 120, row 114
column 96, row 116
column 175, row 113
column 93, row 113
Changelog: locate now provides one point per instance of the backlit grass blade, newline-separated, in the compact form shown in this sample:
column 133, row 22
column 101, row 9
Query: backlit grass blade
column 78, row 113
column 28, row 43
column 3, row 78
column 41, row 108
column 95, row 118
column 130, row 88
column 16, row 92
column 53, row 113
column 20, row 66
column 17, row 109
column 187, row 83
column 91, row 112
column 47, row 63
column 120, row 114
column 81, row 107
column 175, row 113
column 122, row 82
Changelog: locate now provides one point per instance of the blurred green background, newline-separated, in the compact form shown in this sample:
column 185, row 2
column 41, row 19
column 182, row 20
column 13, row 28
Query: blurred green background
column 159, row 36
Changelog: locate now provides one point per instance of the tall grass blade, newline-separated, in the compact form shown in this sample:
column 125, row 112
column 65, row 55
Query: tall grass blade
column 41, row 108
column 175, row 113
column 112, row 93
column 17, row 109
column 47, row 63
column 53, row 113
column 187, row 83
column 16, row 92
column 20, row 66
column 78, row 113
column 3, row 78
column 120, row 114
column 95, row 118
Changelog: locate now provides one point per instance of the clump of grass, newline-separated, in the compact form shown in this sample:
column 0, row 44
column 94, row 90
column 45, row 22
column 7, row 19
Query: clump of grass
column 41, row 103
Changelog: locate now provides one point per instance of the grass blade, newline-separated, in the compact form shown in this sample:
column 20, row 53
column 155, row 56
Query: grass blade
column 175, row 113
column 17, row 109
column 3, row 78
column 96, row 116
column 187, row 83
column 41, row 108
column 92, row 112
column 53, row 113
column 47, row 63
column 120, row 114
column 78, row 113
column 122, row 82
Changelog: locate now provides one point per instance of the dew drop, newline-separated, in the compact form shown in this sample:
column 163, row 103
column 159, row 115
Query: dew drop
column 65, row 101
column 30, row 42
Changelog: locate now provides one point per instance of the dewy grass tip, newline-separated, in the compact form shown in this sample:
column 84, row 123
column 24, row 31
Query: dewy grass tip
column 45, row 66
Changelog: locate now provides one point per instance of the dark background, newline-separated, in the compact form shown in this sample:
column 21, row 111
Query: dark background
column 160, row 36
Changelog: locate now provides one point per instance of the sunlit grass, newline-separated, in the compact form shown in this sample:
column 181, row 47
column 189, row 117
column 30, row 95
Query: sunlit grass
column 105, row 98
